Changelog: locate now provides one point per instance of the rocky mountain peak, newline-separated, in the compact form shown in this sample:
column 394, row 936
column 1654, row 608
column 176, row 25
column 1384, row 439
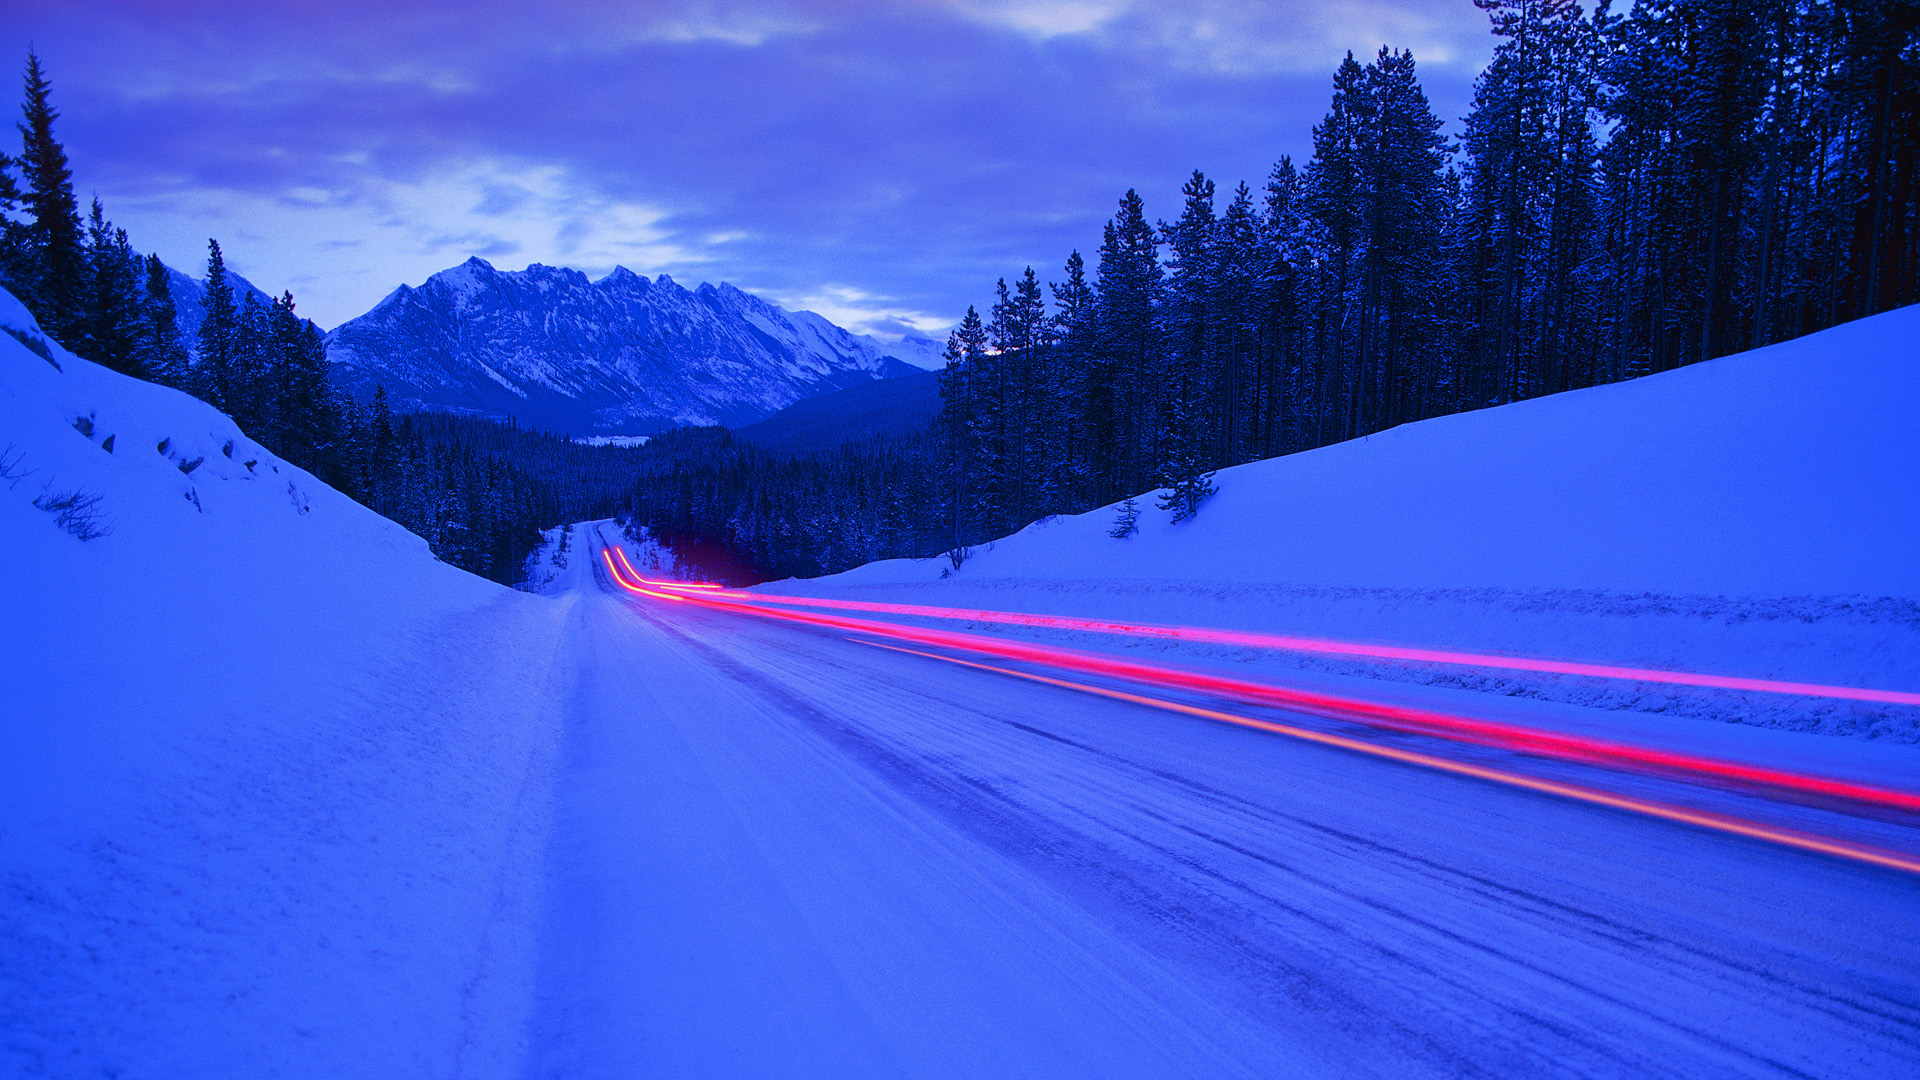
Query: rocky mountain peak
column 623, row 355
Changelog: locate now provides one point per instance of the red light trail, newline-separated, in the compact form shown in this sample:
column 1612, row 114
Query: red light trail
column 1513, row 737
column 630, row 586
column 1700, row 818
column 1288, row 643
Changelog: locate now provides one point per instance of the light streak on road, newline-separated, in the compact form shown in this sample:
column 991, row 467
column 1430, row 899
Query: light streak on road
column 635, row 574
column 1505, row 736
column 1287, row 643
column 1531, row 741
column 1701, row 818
column 630, row 586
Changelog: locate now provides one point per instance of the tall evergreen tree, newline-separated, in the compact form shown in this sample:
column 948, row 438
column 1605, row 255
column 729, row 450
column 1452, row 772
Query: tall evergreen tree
column 1286, row 378
column 302, row 400
column 1334, row 198
column 1075, row 332
column 109, row 320
column 217, row 372
column 14, row 264
column 1187, row 333
column 56, row 268
column 961, row 428
column 1128, row 284
column 1399, row 159
column 161, row 355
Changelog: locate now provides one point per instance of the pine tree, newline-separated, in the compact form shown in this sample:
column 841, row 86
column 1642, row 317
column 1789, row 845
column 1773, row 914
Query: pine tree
column 109, row 318
column 14, row 265
column 1333, row 198
column 1187, row 336
column 1286, row 379
column 217, row 373
column 1075, row 333
column 1183, row 467
column 1399, row 160
column 302, row 398
column 250, row 394
column 160, row 353
column 55, row 276
column 1129, row 278
column 960, row 426
column 1241, row 257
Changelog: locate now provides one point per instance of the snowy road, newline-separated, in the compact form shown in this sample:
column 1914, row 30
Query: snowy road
column 781, row 852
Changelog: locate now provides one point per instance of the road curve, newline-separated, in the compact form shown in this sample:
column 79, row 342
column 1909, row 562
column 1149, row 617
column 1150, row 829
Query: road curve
column 782, row 852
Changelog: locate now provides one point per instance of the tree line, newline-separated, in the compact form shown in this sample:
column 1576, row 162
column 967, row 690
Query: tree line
column 1630, row 193
column 479, row 492
column 732, row 511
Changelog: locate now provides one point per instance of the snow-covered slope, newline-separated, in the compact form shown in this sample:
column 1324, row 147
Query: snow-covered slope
column 622, row 355
column 272, row 772
column 1788, row 471
column 919, row 350
column 1758, row 513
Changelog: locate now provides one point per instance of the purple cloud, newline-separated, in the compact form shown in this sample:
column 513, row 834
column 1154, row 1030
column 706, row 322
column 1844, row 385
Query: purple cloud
column 897, row 156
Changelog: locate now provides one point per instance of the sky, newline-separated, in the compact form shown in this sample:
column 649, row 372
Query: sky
column 881, row 163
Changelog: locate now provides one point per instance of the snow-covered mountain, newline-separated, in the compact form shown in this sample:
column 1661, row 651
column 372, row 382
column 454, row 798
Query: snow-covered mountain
column 188, row 294
column 623, row 355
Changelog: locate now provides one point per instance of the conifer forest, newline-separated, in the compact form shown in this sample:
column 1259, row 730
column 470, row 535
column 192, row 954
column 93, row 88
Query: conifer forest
column 479, row 492
column 1630, row 192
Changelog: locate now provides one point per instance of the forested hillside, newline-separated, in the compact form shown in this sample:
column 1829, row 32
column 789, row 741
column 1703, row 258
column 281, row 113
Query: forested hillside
column 1630, row 193
column 478, row 492
column 1633, row 192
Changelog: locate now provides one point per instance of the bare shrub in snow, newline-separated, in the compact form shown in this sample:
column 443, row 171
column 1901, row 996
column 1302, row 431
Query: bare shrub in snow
column 75, row 511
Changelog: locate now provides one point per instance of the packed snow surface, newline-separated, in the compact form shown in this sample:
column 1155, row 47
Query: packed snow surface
column 285, row 797
column 1786, row 471
column 272, row 791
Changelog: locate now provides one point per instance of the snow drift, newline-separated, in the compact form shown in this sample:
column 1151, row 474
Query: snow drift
column 272, row 771
column 1757, row 514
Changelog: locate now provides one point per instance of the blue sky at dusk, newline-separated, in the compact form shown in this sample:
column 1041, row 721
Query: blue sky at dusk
column 880, row 163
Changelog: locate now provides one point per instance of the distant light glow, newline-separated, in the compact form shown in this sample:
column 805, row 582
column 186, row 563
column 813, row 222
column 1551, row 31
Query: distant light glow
column 631, row 586
column 635, row 574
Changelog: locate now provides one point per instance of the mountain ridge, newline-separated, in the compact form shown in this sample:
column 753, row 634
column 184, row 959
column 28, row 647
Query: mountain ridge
column 622, row 355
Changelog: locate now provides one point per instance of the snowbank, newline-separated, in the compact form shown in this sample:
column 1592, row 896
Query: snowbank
column 1757, row 514
column 271, row 769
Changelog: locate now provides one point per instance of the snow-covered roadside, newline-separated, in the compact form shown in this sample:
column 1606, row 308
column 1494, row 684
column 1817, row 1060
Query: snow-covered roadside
column 274, row 776
column 1756, row 515
column 548, row 564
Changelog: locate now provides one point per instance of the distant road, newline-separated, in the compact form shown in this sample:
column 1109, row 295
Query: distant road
column 783, row 852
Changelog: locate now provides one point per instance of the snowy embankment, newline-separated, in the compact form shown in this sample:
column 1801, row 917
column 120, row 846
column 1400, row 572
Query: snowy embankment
column 1755, row 515
column 274, row 777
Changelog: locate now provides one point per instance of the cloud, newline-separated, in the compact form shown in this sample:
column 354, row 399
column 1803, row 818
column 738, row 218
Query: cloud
column 887, row 160
column 416, row 228
column 1043, row 19
column 739, row 26
column 864, row 313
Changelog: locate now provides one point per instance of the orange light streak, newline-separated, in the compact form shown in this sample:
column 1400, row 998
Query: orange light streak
column 1423, row 721
column 1699, row 818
